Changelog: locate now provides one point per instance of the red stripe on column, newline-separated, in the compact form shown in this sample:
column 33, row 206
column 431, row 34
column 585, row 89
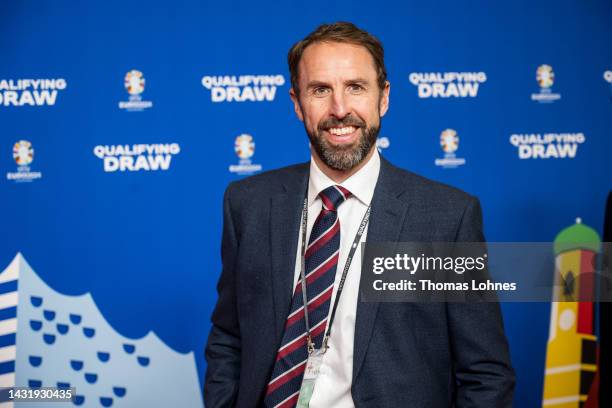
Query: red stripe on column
column 585, row 317
column 586, row 292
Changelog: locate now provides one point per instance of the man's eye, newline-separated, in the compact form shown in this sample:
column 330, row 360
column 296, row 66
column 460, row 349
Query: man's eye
column 356, row 88
column 320, row 91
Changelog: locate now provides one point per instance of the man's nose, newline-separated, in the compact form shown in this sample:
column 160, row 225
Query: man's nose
column 339, row 106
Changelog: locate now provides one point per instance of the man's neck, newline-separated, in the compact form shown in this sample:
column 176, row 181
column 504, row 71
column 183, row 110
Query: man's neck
column 340, row 175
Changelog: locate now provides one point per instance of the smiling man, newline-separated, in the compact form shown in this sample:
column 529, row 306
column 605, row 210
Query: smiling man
column 289, row 239
column 340, row 102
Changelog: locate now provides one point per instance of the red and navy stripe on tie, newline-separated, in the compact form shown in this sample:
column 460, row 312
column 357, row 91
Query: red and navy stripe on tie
column 321, row 261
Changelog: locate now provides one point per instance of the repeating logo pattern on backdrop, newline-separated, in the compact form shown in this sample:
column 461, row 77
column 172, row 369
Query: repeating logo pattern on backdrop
column 547, row 145
column 30, row 92
column 545, row 77
column 449, row 142
column 447, row 84
column 242, row 88
column 134, row 83
column 52, row 332
column 23, row 154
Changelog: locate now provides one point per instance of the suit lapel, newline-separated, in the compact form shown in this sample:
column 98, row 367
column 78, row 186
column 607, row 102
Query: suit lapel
column 285, row 222
column 386, row 221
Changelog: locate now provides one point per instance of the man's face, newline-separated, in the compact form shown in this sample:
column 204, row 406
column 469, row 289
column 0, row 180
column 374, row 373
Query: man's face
column 340, row 102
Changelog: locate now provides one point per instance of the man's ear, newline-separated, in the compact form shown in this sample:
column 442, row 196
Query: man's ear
column 296, row 104
column 384, row 99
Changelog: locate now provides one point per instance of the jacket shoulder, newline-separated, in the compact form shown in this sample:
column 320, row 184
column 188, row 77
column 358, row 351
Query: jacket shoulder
column 422, row 189
column 438, row 211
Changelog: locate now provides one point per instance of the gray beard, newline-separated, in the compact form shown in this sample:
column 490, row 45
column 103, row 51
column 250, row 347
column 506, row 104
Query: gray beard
column 345, row 157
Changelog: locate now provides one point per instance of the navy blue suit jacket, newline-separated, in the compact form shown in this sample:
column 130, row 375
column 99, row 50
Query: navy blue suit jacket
column 405, row 354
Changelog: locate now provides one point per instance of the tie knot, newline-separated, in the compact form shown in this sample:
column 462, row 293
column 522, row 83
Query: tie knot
column 333, row 196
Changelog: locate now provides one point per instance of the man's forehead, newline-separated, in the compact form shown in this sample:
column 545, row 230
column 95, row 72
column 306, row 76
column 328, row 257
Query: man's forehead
column 333, row 59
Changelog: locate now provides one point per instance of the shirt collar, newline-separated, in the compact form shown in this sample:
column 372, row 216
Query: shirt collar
column 361, row 184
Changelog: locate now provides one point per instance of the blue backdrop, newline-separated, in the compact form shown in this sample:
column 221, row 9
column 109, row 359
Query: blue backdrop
column 522, row 89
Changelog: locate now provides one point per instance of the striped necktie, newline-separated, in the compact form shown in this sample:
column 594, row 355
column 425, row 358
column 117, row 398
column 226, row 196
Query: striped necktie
column 321, row 260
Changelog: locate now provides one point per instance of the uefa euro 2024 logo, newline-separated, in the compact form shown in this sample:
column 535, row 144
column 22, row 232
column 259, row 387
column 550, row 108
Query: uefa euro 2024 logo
column 244, row 147
column 608, row 78
column 545, row 76
column 23, row 154
column 449, row 142
column 134, row 83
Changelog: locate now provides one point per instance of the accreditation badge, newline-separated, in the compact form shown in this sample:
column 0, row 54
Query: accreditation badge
column 311, row 372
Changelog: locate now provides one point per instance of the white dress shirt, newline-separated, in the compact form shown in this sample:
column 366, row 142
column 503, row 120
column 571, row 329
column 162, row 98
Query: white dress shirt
column 333, row 385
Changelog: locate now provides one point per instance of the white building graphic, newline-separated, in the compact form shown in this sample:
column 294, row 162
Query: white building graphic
column 53, row 340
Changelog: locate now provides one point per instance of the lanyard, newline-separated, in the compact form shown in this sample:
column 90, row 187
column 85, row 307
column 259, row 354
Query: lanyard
column 347, row 265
